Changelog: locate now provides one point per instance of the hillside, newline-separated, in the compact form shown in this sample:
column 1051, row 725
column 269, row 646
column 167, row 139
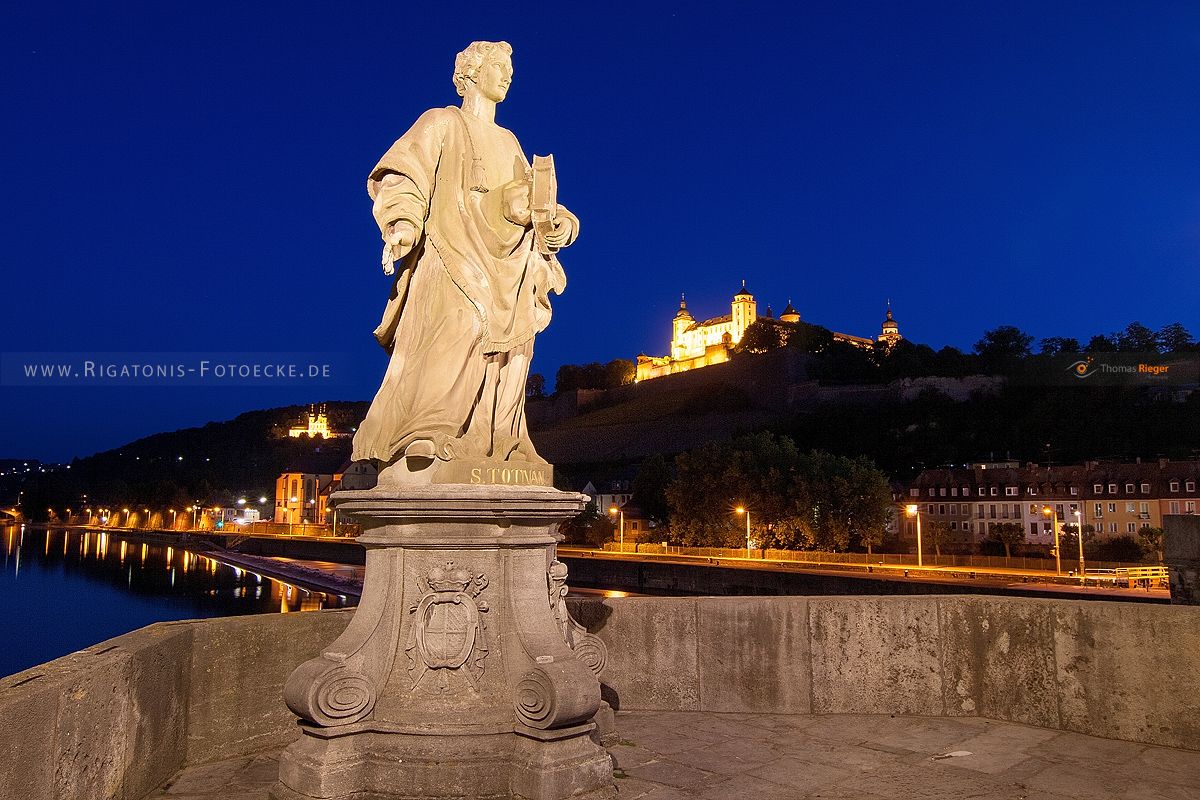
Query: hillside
column 903, row 425
column 213, row 463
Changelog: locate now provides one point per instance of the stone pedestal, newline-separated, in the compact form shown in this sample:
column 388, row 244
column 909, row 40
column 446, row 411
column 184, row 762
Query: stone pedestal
column 461, row 674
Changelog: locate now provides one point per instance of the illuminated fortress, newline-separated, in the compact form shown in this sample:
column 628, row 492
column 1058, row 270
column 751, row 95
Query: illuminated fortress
column 699, row 344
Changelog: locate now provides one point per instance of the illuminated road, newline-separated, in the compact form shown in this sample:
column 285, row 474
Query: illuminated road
column 1010, row 578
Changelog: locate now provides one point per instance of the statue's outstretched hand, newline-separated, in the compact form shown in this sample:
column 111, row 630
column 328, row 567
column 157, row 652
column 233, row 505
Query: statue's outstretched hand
column 397, row 244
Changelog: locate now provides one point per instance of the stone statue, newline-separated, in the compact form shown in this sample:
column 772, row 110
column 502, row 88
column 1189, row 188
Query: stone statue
column 458, row 207
column 462, row 674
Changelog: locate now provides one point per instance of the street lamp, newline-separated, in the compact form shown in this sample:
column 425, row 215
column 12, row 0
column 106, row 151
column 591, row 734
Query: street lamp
column 914, row 510
column 291, row 512
column 1049, row 512
column 613, row 510
column 147, row 513
column 746, row 511
column 125, row 511
column 172, row 518
column 1079, row 533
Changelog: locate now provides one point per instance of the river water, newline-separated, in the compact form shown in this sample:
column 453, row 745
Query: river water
column 68, row 589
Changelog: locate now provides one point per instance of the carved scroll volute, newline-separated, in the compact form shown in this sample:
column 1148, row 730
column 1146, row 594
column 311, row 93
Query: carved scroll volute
column 341, row 685
column 588, row 648
column 556, row 694
column 328, row 692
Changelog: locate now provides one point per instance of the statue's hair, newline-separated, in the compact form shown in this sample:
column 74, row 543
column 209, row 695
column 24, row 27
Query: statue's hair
column 468, row 62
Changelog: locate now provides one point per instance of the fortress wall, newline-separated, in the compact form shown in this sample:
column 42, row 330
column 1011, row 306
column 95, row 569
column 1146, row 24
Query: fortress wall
column 115, row 720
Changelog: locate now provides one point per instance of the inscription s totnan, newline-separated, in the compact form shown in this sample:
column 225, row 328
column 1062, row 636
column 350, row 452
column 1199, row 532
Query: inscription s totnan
column 510, row 476
column 496, row 473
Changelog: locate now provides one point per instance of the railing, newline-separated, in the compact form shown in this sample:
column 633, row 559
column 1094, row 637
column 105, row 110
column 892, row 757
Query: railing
column 863, row 559
column 1144, row 576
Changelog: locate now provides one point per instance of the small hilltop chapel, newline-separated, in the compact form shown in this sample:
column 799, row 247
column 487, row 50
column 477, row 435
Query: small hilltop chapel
column 699, row 344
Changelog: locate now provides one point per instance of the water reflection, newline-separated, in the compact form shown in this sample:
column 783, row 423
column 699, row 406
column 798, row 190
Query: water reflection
column 68, row 589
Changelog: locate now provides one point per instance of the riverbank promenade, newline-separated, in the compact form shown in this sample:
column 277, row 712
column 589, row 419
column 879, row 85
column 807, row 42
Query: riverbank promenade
column 678, row 755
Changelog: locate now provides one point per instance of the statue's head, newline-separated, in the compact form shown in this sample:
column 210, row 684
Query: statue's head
column 488, row 65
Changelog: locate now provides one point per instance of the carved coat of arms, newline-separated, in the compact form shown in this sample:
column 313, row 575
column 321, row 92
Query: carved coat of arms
column 448, row 633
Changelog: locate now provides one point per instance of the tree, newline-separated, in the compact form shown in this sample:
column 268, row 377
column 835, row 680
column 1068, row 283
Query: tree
column 795, row 500
column 762, row 335
column 591, row 527
column 650, row 488
column 1100, row 344
column 1004, row 341
column 873, row 537
column 1068, row 542
column 1136, row 338
column 1009, row 534
column 566, row 379
column 1174, row 338
column 1054, row 345
column 1002, row 348
column 535, row 385
column 1152, row 538
column 842, row 362
column 619, row 372
column 936, row 533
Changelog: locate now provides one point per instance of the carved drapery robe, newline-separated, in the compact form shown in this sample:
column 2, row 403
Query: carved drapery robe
column 467, row 301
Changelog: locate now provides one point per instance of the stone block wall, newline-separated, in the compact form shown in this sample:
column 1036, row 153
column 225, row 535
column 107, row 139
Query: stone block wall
column 114, row 721
column 1117, row 670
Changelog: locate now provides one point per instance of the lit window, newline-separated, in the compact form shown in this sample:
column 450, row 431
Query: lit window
column 966, row 491
column 1074, row 491
column 1099, row 512
column 1112, row 508
column 1145, row 488
column 1129, row 508
column 1010, row 491
column 914, row 492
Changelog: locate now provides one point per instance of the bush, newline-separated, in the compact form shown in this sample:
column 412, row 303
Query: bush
column 1119, row 548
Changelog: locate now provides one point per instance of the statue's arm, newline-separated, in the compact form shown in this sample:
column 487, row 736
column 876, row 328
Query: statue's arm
column 402, row 184
column 400, row 212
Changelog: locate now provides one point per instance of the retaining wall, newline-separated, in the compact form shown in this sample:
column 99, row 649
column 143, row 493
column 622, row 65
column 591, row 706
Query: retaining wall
column 117, row 719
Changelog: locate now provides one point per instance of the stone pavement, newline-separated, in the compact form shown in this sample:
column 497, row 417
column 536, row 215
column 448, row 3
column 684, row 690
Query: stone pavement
column 670, row 755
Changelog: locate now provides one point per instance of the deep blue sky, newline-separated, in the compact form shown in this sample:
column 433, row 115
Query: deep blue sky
column 189, row 176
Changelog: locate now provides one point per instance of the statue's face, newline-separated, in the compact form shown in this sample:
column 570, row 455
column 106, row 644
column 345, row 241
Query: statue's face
column 495, row 75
